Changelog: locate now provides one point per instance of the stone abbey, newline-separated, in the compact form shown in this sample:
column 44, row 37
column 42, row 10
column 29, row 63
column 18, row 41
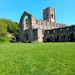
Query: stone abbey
column 46, row 30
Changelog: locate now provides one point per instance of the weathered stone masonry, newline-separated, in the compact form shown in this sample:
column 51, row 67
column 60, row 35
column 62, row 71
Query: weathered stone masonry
column 34, row 30
column 65, row 34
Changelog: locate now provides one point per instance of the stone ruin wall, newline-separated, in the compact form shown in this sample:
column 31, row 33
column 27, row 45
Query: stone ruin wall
column 68, row 32
column 41, row 26
column 45, row 25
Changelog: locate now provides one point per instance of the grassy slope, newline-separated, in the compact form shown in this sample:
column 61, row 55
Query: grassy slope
column 37, row 59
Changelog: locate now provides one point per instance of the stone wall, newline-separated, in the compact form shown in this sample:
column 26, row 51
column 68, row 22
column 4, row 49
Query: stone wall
column 60, row 34
column 33, row 29
column 31, row 24
column 45, row 24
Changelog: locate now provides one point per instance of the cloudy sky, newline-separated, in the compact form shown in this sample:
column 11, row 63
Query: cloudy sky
column 13, row 9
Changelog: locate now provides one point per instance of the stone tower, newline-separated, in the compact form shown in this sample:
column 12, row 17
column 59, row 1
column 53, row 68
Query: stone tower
column 49, row 14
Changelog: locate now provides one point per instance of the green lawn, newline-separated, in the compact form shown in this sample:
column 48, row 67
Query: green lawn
column 37, row 58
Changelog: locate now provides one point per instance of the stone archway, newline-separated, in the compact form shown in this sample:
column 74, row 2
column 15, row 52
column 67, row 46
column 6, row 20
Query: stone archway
column 72, row 37
column 64, row 37
column 26, row 38
column 28, row 29
column 26, row 22
column 25, row 14
column 47, row 40
column 57, row 38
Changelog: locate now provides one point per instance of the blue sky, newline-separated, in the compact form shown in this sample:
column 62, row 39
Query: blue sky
column 13, row 9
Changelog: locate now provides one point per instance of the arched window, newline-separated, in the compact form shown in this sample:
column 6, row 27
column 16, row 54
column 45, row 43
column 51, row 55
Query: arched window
column 26, row 38
column 47, row 40
column 26, row 18
column 52, row 15
column 26, row 22
column 72, row 37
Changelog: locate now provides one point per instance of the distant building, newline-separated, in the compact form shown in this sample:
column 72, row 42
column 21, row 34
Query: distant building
column 46, row 30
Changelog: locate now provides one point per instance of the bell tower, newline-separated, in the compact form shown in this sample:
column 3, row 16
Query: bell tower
column 49, row 14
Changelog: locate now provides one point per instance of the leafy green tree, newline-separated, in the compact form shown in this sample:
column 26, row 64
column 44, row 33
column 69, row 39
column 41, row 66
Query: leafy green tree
column 3, row 28
column 11, row 27
column 8, row 26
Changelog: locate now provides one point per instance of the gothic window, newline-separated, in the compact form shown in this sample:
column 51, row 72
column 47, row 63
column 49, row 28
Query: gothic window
column 72, row 37
column 27, row 25
column 64, row 37
column 60, row 30
column 67, row 28
column 48, row 40
column 26, row 22
column 48, row 32
column 26, row 37
column 54, row 31
column 68, row 36
column 26, row 18
column 46, row 16
column 52, row 15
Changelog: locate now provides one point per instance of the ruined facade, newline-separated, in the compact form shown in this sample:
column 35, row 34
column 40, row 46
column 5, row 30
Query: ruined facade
column 49, row 14
column 64, row 34
column 34, row 30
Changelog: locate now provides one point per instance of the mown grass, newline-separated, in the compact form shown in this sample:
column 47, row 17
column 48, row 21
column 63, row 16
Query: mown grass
column 37, row 58
column 5, row 39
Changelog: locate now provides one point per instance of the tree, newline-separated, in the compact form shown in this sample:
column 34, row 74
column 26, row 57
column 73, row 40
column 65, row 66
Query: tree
column 3, row 28
column 8, row 26
column 11, row 27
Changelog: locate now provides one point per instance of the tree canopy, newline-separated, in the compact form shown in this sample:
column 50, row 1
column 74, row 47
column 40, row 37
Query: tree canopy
column 8, row 26
column 3, row 28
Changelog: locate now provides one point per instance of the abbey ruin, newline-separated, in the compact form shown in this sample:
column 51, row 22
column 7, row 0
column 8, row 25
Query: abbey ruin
column 46, row 30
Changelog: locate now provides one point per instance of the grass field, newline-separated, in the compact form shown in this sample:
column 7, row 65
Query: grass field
column 37, row 58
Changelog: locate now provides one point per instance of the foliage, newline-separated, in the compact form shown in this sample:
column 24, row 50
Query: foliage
column 37, row 58
column 3, row 28
column 10, row 26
